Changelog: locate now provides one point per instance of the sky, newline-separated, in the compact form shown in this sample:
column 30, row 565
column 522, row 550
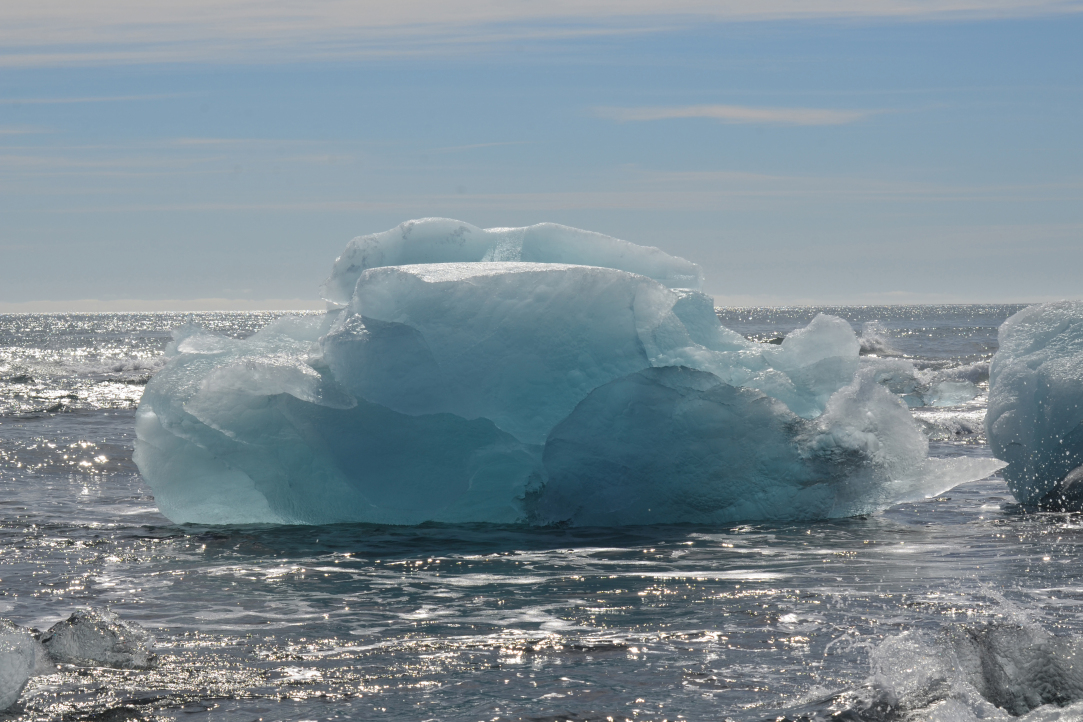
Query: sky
column 219, row 154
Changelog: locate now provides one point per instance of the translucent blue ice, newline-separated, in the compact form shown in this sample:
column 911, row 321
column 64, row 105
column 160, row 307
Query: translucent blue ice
column 469, row 375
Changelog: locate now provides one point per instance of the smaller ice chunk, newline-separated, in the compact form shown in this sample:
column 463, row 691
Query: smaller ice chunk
column 96, row 637
column 943, row 387
column 976, row 373
column 826, row 337
column 951, row 393
column 1035, row 416
column 969, row 672
column 442, row 240
column 21, row 657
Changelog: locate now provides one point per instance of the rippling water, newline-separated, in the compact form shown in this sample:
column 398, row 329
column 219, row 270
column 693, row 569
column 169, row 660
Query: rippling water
column 480, row 622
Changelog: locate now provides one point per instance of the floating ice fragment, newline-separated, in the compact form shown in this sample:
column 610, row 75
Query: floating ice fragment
column 951, row 393
column 1035, row 416
column 21, row 657
column 994, row 671
column 94, row 637
column 965, row 673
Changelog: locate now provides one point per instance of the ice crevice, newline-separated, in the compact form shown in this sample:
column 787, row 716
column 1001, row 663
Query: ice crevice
column 544, row 375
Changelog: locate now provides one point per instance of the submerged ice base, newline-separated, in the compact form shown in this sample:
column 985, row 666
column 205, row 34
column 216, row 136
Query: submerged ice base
column 543, row 375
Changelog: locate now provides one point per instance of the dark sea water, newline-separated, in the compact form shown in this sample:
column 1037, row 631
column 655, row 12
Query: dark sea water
column 746, row 622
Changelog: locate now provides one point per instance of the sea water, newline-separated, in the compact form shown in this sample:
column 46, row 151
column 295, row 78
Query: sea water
column 479, row 622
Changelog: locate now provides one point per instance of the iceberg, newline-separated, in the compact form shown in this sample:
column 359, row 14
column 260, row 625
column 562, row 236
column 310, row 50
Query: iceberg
column 1035, row 416
column 541, row 374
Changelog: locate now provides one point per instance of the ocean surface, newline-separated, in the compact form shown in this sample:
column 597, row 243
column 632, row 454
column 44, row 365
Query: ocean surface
column 438, row 622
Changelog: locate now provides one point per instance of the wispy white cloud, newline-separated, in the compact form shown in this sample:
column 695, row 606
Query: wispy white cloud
column 63, row 32
column 739, row 114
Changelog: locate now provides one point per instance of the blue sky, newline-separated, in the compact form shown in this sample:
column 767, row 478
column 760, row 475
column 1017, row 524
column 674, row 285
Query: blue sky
column 221, row 154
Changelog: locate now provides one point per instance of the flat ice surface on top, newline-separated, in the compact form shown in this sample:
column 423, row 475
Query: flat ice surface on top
column 447, row 272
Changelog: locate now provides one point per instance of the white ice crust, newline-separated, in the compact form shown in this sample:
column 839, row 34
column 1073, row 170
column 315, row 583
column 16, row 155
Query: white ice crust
column 478, row 376
column 1035, row 416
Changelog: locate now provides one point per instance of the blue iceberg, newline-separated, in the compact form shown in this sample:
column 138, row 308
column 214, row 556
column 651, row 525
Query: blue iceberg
column 1035, row 416
column 543, row 375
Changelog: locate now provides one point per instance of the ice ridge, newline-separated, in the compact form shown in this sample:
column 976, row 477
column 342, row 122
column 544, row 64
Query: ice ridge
column 544, row 375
